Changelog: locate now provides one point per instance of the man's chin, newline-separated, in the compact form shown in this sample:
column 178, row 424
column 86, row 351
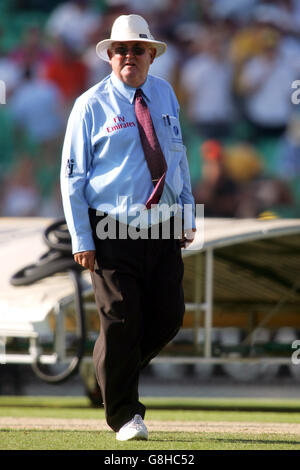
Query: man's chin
column 130, row 77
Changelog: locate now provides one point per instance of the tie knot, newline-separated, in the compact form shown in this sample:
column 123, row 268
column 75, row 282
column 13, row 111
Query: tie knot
column 138, row 93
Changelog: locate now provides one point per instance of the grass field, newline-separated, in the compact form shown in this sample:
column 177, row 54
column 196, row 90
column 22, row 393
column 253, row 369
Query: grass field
column 48, row 423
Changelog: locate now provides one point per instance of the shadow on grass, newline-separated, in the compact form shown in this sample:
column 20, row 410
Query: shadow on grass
column 164, row 406
column 227, row 440
column 256, row 441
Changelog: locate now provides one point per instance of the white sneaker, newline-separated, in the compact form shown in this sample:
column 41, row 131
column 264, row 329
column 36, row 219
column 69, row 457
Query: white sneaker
column 134, row 429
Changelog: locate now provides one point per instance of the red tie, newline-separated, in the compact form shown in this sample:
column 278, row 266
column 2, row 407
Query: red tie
column 154, row 157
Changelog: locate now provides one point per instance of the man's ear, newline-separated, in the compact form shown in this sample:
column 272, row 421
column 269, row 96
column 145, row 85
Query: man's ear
column 109, row 53
column 152, row 54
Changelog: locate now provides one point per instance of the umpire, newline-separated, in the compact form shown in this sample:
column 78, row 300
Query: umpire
column 123, row 155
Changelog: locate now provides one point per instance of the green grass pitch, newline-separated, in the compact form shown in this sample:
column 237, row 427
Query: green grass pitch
column 184, row 410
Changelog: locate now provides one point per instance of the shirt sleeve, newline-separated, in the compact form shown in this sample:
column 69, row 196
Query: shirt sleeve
column 76, row 161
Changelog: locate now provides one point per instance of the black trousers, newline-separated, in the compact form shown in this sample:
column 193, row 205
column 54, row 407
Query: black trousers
column 139, row 296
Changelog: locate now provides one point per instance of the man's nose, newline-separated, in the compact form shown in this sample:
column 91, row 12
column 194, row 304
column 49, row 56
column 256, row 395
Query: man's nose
column 130, row 53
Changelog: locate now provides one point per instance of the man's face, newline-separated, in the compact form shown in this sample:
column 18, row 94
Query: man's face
column 130, row 61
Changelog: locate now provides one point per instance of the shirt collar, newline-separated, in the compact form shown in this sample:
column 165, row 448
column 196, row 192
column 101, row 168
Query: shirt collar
column 127, row 91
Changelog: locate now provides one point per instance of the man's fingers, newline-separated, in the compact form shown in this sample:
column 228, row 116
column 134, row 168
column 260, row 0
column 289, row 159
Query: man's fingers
column 188, row 236
column 89, row 262
column 85, row 259
column 92, row 262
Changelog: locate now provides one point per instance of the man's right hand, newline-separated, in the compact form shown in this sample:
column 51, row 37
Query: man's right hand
column 86, row 259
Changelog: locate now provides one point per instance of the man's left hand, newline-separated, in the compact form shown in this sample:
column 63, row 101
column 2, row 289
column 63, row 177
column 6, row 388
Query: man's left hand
column 188, row 236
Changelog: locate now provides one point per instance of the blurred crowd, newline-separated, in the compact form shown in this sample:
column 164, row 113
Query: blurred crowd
column 232, row 63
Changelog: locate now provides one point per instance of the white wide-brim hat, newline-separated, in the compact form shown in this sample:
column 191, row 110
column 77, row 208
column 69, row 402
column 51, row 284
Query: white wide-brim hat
column 129, row 28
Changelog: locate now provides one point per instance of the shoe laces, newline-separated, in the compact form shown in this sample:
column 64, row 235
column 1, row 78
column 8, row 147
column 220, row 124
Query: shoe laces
column 137, row 421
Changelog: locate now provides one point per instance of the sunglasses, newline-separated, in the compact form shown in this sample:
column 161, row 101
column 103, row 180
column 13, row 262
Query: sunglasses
column 123, row 50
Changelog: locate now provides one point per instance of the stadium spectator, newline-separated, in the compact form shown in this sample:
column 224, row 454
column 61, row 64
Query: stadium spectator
column 74, row 21
column 10, row 75
column 240, row 9
column 264, row 194
column 265, row 84
column 216, row 190
column 281, row 14
column 166, row 66
column 206, row 83
column 67, row 71
column 257, row 191
column 96, row 69
column 36, row 107
column 31, row 53
column 284, row 18
column 149, row 7
column 234, row 183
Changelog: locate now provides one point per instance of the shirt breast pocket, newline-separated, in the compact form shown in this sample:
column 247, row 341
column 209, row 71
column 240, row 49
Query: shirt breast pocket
column 174, row 135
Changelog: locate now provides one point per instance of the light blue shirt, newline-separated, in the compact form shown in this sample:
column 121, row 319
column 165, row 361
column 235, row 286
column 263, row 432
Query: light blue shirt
column 103, row 163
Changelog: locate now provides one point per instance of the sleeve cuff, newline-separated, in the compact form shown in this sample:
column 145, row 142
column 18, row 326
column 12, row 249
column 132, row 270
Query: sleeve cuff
column 82, row 243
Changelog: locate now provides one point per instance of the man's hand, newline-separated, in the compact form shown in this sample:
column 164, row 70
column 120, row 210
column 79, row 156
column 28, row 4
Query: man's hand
column 86, row 259
column 188, row 236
